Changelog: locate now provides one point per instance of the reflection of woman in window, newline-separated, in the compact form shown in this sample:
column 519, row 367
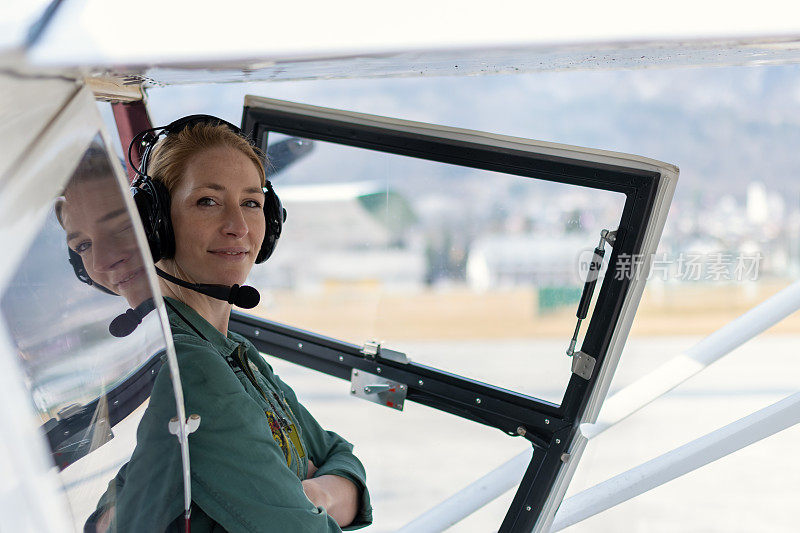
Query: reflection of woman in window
column 99, row 230
column 259, row 460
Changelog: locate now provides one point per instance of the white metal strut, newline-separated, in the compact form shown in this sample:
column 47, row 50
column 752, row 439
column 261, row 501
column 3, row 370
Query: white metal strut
column 680, row 461
column 618, row 407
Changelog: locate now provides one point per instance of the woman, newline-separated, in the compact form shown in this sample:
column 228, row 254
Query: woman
column 259, row 460
column 100, row 238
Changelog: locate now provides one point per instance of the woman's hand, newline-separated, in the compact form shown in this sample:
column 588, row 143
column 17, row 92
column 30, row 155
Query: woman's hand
column 312, row 469
column 337, row 495
column 105, row 520
column 317, row 493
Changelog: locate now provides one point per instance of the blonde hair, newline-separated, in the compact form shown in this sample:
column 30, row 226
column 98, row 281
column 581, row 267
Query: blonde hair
column 172, row 153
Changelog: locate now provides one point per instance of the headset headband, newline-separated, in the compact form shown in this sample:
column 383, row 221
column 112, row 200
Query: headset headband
column 149, row 138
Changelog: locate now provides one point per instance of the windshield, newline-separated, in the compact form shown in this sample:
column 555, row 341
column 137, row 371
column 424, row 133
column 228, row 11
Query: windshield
column 79, row 310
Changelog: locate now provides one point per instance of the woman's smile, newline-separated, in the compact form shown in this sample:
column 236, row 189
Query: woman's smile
column 230, row 254
column 126, row 280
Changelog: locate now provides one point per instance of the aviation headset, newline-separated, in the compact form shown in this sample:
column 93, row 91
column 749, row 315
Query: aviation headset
column 152, row 201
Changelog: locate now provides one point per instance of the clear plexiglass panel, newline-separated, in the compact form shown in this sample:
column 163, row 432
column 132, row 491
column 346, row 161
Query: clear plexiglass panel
column 475, row 272
column 80, row 310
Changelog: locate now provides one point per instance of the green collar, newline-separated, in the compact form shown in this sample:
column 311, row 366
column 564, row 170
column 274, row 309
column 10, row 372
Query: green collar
column 185, row 317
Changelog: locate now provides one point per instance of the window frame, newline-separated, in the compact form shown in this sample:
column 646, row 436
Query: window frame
column 553, row 430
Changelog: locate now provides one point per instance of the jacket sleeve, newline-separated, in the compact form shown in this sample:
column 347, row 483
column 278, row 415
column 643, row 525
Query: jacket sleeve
column 239, row 476
column 331, row 454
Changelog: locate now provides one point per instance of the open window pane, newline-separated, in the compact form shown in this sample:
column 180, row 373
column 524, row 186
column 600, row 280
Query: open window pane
column 459, row 247
column 453, row 265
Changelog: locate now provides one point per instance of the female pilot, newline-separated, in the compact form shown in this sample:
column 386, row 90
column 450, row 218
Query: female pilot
column 259, row 460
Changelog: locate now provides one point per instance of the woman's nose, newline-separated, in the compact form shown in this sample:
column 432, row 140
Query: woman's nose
column 108, row 255
column 234, row 223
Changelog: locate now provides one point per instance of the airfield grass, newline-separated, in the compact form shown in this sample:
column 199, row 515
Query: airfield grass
column 364, row 311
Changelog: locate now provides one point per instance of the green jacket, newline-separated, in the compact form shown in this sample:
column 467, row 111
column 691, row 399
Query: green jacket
column 248, row 455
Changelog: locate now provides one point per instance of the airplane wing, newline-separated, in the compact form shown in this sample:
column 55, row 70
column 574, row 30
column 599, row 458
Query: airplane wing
column 187, row 42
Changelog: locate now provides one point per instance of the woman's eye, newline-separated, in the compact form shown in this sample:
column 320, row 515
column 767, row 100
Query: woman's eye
column 206, row 201
column 82, row 247
column 251, row 203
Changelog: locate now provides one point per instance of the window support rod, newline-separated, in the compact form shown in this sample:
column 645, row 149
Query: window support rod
column 588, row 287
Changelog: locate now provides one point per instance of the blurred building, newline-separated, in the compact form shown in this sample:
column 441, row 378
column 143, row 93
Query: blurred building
column 344, row 233
column 528, row 259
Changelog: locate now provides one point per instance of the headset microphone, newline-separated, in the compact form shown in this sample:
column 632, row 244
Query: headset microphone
column 124, row 324
column 243, row 296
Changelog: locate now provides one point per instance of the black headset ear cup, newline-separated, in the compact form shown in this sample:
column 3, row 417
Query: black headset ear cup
column 77, row 265
column 275, row 216
column 153, row 204
column 80, row 271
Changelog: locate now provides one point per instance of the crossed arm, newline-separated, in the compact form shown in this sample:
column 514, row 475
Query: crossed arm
column 337, row 495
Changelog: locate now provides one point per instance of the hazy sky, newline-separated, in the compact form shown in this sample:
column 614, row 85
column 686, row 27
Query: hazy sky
column 721, row 126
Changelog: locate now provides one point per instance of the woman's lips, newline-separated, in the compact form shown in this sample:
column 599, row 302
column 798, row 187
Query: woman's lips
column 230, row 254
column 128, row 279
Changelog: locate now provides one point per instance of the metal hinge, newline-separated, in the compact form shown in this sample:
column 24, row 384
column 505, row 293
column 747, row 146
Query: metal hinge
column 71, row 409
column 372, row 350
column 583, row 365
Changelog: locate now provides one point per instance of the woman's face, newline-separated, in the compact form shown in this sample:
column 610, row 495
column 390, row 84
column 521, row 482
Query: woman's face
column 100, row 230
column 218, row 216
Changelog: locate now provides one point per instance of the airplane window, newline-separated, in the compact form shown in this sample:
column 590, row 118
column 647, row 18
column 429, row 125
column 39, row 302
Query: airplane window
column 89, row 365
column 452, row 265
